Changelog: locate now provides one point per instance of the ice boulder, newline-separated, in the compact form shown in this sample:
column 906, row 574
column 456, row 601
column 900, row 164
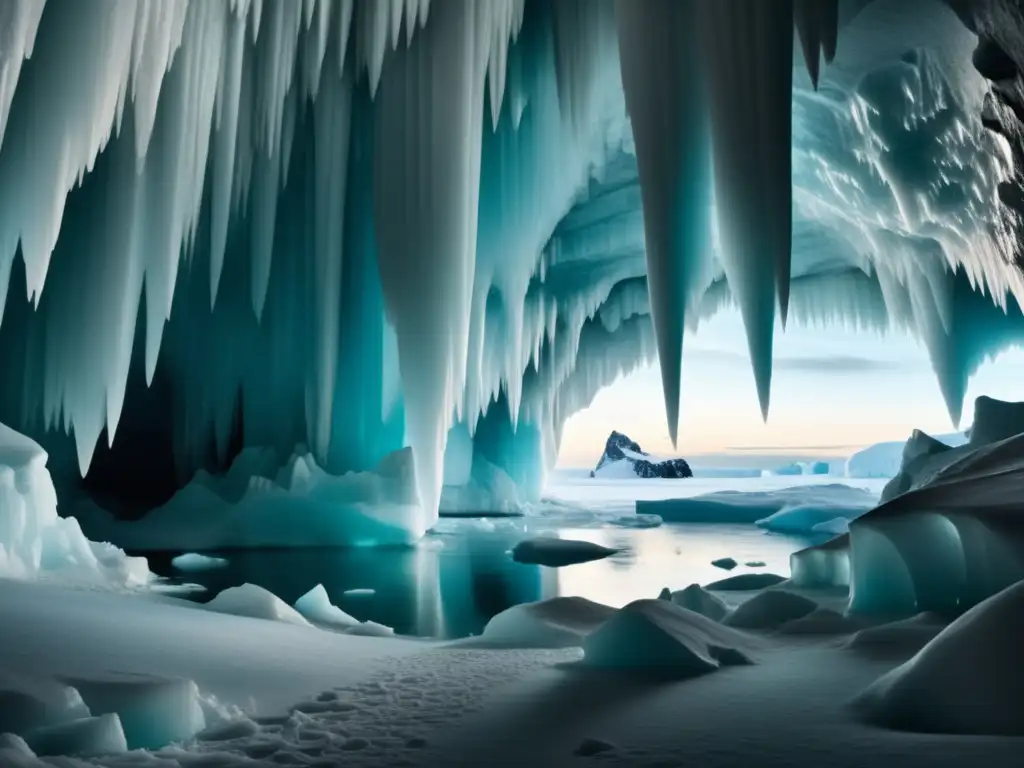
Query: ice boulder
column 262, row 502
column 752, row 506
column 316, row 606
column 808, row 518
column 967, row 680
column 257, row 603
column 623, row 458
column 825, row 565
column 697, row 599
column 560, row 622
column 28, row 703
column 555, row 553
column 661, row 638
column 746, row 582
column 152, row 711
column 35, row 541
column 86, row 737
column 770, row 609
column 192, row 561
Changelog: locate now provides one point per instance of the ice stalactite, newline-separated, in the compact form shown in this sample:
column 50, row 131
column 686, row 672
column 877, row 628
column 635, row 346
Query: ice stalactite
column 817, row 24
column 665, row 99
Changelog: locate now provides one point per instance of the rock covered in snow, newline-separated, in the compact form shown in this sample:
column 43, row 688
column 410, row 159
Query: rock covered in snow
column 560, row 622
column 624, row 457
column 554, row 552
column 697, row 599
column 664, row 639
column 257, row 603
column 770, row 610
column 967, row 680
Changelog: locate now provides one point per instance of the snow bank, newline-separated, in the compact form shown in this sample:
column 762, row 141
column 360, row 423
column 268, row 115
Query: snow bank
column 902, row 637
column 370, row 629
column 967, row 680
column 316, row 606
column 754, row 506
column 35, row 542
column 196, row 562
column 884, row 459
column 770, row 609
column 697, row 599
column 561, row 622
column 256, row 603
column 260, row 503
column 554, row 552
column 823, row 566
column 808, row 518
column 660, row 637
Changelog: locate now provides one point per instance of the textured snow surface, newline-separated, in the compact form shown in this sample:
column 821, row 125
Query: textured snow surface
column 35, row 542
column 771, row 609
column 821, row 502
column 966, row 680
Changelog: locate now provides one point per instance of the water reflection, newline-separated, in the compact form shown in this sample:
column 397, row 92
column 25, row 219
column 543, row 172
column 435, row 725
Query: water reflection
column 451, row 585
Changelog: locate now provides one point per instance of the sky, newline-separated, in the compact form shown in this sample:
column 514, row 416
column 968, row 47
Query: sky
column 834, row 391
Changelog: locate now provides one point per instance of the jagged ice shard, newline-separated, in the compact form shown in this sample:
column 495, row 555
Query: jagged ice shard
column 332, row 229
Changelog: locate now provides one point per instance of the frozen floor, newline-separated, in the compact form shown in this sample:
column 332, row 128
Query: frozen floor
column 376, row 702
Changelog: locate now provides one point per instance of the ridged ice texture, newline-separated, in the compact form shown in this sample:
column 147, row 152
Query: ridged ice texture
column 351, row 224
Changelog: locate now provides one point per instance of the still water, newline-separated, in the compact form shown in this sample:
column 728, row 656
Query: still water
column 451, row 584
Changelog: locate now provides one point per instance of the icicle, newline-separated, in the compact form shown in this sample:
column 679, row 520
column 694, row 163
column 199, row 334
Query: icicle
column 667, row 107
column 817, row 23
column 748, row 52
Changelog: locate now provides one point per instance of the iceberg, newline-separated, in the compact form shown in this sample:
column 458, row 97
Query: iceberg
column 813, row 519
column 192, row 561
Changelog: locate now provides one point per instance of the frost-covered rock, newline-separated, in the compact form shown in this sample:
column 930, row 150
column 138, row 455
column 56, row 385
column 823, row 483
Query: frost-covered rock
column 967, row 680
column 697, row 599
column 752, row 506
column 192, row 561
column 257, row 603
column 316, row 606
column 661, row 638
column 560, row 622
column 261, row 503
column 770, row 609
column 746, row 582
column 623, row 457
column 554, row 552
column 35, row 542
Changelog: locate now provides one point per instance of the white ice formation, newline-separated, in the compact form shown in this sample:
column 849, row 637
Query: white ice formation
column 359, row 225
column 37, row 543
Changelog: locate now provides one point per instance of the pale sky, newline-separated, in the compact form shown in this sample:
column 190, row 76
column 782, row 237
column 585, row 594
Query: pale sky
column 833, row 392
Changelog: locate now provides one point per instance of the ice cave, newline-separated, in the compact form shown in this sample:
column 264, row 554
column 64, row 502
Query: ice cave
column 298, row 296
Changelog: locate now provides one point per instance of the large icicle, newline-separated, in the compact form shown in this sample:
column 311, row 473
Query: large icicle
column 427, row 175
column 748, row 56
column 817, row 23
column 666, row 103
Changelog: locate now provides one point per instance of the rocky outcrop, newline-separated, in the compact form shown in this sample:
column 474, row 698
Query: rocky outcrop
column 621, row 453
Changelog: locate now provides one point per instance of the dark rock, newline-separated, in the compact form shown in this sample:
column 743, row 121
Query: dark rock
column 619, row 447
column 725, row 563
column 591, row 747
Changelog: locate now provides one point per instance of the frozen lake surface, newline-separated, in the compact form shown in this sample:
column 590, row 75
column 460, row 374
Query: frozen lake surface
column 462, row 575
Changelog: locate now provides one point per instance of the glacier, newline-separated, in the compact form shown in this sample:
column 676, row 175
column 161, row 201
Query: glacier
column 335, row 229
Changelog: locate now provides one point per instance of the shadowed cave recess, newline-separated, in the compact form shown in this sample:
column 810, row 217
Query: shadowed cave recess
column 290, row 240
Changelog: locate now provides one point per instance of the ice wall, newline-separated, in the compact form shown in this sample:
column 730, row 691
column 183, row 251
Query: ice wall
column 353, row 225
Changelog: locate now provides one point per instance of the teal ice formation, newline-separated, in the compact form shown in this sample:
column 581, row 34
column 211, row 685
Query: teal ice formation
column 300, row 237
